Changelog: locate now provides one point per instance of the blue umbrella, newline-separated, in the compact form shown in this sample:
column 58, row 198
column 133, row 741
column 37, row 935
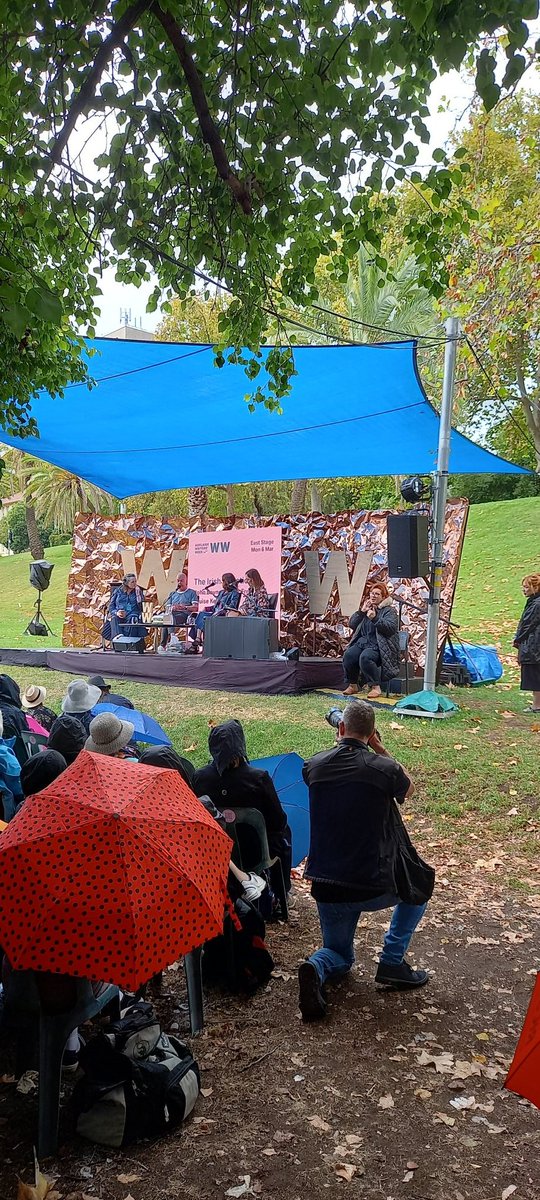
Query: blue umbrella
column 285, row 771
column 146, row 729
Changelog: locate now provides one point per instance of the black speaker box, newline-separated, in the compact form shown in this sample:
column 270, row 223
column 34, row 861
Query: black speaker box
column 408, row 545
column 240, row 637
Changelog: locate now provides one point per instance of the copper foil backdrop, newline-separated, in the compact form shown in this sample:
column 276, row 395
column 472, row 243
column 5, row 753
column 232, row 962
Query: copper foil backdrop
column 96, row 564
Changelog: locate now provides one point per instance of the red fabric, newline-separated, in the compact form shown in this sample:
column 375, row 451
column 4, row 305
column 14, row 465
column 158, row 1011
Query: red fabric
column 112, row 872
column 524, row 1074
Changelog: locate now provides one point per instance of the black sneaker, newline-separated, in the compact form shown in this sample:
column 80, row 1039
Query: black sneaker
column 400, row 975
column 311, row 998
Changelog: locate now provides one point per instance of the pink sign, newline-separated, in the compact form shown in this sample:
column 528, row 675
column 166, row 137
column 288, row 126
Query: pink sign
column 235, row 551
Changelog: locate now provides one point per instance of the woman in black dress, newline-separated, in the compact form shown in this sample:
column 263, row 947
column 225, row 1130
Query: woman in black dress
column 527, row 640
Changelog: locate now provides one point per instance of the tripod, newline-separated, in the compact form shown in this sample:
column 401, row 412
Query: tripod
column 38, row 619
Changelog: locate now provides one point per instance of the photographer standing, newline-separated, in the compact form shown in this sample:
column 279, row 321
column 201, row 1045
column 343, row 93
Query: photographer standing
column 361, row 858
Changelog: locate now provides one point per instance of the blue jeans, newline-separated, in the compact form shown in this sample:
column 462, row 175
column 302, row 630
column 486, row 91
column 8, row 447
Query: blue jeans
column 338, row 926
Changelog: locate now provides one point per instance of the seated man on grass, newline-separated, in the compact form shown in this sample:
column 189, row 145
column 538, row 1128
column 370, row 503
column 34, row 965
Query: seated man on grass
column 360, row 858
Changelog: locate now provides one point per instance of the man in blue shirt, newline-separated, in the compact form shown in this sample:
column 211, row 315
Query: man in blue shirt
column 181, row 602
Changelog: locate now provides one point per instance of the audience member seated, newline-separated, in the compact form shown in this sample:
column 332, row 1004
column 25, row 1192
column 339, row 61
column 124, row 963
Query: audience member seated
column 11, row 793
column 33, row 702
column 111, row 736
column 108, row 697
column 68, row 736
column 255, row 602
column 180, row 603
column 230, row 781
column 79, row 701
column 227, row 600
column 168, row 759
column 40, row 770
column 15, row 723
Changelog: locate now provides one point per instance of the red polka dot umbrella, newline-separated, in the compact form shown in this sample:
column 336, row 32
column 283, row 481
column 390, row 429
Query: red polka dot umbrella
column 111, row 873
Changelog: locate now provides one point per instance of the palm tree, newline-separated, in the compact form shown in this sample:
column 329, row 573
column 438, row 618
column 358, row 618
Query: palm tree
column 16, row 475
column 58, row 495
column 394, row 302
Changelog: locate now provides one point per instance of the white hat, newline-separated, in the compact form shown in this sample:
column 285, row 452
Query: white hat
column 35, row 694
column 108, row 734
column 80, row 697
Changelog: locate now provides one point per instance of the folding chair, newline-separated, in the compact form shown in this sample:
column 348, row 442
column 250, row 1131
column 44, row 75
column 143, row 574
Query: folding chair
column 260, row 860
column 33, row 742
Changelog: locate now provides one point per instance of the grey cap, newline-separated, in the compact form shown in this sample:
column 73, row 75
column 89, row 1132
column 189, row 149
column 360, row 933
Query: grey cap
column 108, row 734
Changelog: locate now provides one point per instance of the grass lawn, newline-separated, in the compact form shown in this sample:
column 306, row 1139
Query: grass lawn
column 478, row 772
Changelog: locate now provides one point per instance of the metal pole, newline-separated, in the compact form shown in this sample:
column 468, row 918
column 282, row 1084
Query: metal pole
column 440, row 488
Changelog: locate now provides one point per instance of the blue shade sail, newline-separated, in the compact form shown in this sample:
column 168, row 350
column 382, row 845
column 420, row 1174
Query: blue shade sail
column 162, row 416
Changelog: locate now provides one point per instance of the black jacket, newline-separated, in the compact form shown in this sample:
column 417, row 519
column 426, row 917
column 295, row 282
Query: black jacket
column 358, row 839
column 528, row 632
column 242, row 787
column 387, row 634
column 15, row 722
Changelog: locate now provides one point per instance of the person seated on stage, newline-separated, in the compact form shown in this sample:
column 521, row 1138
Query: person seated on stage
column 33, row 702
column 79, row 701
column 227, row 600
column 125, row 610
column 255, row 602
column 229, row 780
column 108, row 697
column 373, row 651
column 11, row 792
column 111, row 736
column 68, row 735
column 181, row 603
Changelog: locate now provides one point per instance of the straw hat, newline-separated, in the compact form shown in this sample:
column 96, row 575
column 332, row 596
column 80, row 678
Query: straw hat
column 108, row 734
column 34, row 695
column 80, row 697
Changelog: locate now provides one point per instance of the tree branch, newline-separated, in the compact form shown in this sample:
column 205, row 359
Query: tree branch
column 209, row 130
column 88, row 87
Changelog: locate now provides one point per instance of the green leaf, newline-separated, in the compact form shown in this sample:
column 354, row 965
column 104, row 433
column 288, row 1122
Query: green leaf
column 44, row 304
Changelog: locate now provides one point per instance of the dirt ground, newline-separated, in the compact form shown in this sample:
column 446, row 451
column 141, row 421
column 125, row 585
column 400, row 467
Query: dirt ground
column 394, row 1096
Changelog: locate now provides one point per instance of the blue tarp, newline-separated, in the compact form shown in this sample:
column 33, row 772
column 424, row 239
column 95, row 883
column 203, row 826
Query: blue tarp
column 163, row 416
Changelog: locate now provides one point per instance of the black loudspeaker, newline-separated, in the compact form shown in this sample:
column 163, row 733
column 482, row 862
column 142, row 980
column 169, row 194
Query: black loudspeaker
column 408, row 545
column 240, row 637
column 40, row 574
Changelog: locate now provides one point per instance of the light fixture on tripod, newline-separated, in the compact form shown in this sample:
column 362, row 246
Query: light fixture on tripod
column 40, row 578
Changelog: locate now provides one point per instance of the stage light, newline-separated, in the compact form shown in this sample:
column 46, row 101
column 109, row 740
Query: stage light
column 415, row 489
column 40, row 574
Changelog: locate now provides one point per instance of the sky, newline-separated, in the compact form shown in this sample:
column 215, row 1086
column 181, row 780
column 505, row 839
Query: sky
column 450, row 98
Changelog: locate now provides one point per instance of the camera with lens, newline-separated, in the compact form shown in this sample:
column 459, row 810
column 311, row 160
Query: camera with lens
column 334, row 716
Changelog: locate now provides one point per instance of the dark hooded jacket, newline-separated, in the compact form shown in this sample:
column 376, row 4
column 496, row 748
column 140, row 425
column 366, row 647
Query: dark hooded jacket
column 527, row 637
column 243, row 786
column 15, row 722
column 68, row 736
column 40, row 770
column 386, row 626
column 169, row 760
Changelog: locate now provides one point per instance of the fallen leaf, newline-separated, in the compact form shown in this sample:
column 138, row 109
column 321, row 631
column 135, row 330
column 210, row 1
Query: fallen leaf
column 352, row 1139
column 7, row 1079
column 298, row 1078
column 482, row 1037
column 242, row 1189
column 422, row 1093
column 443, row 1063
column 345, row 1171
column 37, row 1191
column 206, row 1092
column 28, row 1083
column 269, row 1151
column 509, row 1191
column 386, row 1101
column 412, row 1166
column 408, row 1176
column 128, row 1178
column 318, row 1123
column 443, row 1118
column 463, row 1102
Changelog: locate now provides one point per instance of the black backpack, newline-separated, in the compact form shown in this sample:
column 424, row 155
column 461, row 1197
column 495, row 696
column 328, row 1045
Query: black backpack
column 138, row 1082
column 239, row 959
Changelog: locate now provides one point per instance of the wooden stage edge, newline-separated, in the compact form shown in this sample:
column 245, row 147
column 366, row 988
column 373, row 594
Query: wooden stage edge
column 274, row 677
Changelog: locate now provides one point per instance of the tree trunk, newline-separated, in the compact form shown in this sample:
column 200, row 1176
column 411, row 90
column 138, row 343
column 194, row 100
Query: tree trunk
column 298, row 497
column 198, row 505
column 229, row 488
column 34, row 539
column 316, row 501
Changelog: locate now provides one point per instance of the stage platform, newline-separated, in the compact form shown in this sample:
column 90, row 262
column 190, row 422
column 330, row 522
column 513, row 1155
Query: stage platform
column 275, row 677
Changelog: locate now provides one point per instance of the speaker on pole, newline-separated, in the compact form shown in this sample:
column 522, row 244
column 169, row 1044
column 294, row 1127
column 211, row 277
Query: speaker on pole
column 408, row 545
